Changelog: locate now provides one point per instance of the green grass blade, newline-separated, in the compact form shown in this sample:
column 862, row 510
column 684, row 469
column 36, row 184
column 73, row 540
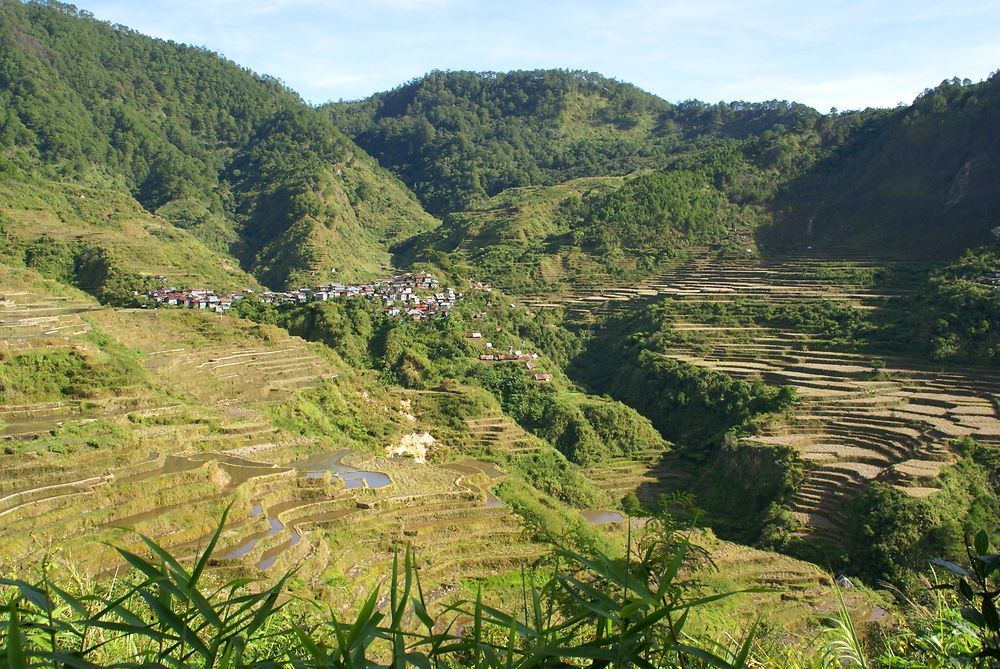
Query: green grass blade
column 30, row 593
column 14, row 648
column 207, row 553
column 173, row 621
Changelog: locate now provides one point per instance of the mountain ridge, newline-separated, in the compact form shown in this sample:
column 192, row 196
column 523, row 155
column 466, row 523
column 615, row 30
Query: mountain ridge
column 169, row 124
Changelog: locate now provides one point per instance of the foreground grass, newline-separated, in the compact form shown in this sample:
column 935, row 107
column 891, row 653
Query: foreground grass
column 593, row 611
column 596, row 609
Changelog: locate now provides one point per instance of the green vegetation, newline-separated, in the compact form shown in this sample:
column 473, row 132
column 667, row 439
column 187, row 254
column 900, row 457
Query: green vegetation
column 692, row 406
column 955, row 314
column 233, row 158
column 911, row 182
column 458, row 138
column 893, row 532
column 511, row 159
column 703, row 412
column 102, row 241
column 742, row 489
column 585, row 432
column 433, row 355
column 650, row 212
column 169, row 614
column 520, row 240
column 596, row 609
column 947, row 313
column 99, row 368
column 588, row 230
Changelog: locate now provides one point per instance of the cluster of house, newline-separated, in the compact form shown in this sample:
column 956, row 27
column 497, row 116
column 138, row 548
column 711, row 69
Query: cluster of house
column 413, row 296
column 526, row 359
column 196, row 298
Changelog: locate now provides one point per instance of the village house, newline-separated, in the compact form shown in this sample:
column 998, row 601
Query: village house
column 399, row 290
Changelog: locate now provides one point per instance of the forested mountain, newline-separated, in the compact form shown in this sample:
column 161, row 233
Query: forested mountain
column 912, row 181
column 457, row 138
column 235, row 158
column 919, row 181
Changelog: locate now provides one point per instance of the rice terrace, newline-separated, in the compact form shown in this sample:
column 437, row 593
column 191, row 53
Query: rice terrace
column 492, row 369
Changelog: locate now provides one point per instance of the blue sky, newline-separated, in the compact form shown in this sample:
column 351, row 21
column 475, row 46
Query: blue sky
column 844, row 54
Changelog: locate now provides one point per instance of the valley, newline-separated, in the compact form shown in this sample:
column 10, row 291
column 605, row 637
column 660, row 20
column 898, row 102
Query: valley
column 491, row 369
column 226, row 417
column 860, row 417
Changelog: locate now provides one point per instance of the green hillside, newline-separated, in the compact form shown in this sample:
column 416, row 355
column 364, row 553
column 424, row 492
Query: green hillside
column 914, row 181
column 103, row 241
column 538, row 239
column 234, row 158
column 917, row 181
column 458, row 138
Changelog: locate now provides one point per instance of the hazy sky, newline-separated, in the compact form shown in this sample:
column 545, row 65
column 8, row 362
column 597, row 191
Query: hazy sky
column 844, row 54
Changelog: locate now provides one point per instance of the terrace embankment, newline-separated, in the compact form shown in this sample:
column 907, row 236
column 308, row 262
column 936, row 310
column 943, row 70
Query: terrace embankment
column 713, row 279
column 219, row 411
column 859, row 417
column 855, row 424
column 186, row 414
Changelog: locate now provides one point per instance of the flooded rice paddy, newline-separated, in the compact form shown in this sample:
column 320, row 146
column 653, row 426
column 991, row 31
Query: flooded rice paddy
column 318, row 465
column 601, row 517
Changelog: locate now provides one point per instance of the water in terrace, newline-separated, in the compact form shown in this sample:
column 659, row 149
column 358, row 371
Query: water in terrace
column 316, row 466
column 331, row 461
column 274, row 526
column 270, row 557
column 601, row 517
column 365, row 479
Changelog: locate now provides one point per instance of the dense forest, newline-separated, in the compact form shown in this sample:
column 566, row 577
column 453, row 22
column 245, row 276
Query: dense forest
column 911, row 182
column 235, row 158
column 458, row 138
column 863, row 180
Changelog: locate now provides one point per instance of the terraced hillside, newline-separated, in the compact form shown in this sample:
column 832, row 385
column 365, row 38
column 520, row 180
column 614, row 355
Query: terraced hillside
column 854, row 424
column 215, row 410
column 501, row 433
column 649, row 474
column 858, row 419
column 190, row 413
column 48, row 224
column 710, row 279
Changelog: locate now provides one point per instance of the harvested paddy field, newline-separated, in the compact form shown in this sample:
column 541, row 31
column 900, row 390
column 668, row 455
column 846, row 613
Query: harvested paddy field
column 710, row 279
column 188, row 414
column 857, row 420
column 215, row 411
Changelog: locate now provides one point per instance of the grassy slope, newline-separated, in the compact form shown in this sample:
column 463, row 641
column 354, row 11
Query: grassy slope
column 141, row 243
column 515, row 239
